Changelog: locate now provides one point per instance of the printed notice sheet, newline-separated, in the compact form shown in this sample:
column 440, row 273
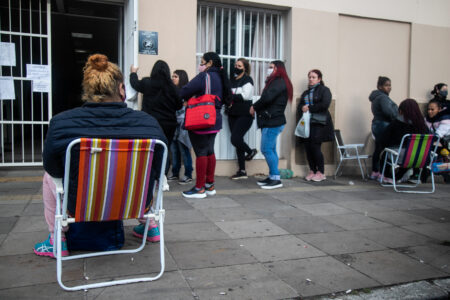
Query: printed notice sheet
column 7, row 88
column 7, row 54
column 40, row 76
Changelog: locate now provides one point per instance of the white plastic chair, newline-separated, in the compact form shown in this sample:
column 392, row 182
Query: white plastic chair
column 128, row 167
column 349, row 152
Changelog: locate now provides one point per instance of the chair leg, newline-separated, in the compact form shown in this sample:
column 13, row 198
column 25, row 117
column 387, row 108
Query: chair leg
column 360, row 167
column 337, row 169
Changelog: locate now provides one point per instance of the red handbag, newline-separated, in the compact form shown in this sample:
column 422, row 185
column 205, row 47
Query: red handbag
column 201, row 111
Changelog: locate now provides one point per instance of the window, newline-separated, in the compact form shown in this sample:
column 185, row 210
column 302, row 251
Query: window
column 234, row 32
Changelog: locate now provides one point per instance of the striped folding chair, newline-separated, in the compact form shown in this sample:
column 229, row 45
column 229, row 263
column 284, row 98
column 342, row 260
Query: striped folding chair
column 415, row 151
column 113, row 184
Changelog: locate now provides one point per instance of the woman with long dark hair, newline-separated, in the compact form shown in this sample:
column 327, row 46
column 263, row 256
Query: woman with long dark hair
column 384, row 111
column 160, row 97
column 440, row 92
column 316, row 99
column 239, row 117
column 203, row 140
column 181, row 145
column 271, row 119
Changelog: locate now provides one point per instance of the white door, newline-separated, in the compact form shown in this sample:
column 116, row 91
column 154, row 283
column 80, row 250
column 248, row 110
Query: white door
column 130, row 48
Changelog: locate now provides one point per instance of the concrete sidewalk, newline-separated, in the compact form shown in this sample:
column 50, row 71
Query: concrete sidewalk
column 304, row 240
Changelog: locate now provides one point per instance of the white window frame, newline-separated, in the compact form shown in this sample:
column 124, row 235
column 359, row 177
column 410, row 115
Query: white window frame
column 223, row 148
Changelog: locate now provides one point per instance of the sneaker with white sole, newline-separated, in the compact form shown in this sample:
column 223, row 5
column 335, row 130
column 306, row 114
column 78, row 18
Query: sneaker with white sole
column 264, row 181
column 318, row 177
column 152, row 234
column 272, row 184
column 185, row 180
column 309, row 176
column 209, row 189
column 240, row 175
column 195, row 193
column 45, row 248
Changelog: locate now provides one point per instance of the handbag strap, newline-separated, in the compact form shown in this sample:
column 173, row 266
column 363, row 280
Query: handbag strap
column 207, row 84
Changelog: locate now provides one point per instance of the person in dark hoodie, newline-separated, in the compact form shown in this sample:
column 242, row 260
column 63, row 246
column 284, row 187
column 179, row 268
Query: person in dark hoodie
column 384, row 112
column 160, row 97
column 440, row 92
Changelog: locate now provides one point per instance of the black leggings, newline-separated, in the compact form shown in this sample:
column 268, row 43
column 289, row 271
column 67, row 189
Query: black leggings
column 239, row 127
column 314, row 156
column 169, row 132
column 203, row 144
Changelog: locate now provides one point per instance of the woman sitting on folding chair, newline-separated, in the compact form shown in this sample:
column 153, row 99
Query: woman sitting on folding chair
column 409, row 120
column 104, row 115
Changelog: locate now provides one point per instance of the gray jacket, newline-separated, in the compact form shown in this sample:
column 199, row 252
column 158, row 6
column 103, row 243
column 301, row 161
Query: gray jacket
column 383, row 108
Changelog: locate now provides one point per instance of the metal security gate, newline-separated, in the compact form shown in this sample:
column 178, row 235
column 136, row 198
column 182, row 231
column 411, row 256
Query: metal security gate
column 25, row 91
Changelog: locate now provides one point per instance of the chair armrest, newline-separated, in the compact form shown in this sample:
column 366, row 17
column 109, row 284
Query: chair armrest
column 390, row 150
column 351, row 146
column 59, row 185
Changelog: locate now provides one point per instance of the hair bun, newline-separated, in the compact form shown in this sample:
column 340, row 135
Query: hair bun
column 98, row 62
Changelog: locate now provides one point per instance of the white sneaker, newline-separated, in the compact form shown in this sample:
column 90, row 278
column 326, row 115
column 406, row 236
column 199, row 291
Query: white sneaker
column 165, row 184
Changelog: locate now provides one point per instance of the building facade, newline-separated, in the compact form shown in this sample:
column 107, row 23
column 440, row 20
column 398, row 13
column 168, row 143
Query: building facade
column 351, row 41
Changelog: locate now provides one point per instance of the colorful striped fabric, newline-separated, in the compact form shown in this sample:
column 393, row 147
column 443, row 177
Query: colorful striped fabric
column 417, row 151
column 113, row 179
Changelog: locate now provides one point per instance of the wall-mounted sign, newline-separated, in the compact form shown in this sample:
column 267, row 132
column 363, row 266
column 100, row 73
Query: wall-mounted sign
column 148, row 42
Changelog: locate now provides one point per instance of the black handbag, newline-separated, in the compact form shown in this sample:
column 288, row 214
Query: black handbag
column 319, row 118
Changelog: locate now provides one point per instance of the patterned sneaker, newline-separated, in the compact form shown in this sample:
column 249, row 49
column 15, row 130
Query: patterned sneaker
column 152, row 234
column 264, row 181
column 309, row 176
column 194, row 193
column 318, row 177
column 239, row 175
column 185, row 180
column 209, row 189
column 46, row 248
column 374, row 175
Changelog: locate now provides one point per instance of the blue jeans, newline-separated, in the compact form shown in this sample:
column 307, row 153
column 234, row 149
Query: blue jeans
column 179, row 150
column 269, row 149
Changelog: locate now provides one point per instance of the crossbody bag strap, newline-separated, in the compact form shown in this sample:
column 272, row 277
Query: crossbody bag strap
column 207, row 85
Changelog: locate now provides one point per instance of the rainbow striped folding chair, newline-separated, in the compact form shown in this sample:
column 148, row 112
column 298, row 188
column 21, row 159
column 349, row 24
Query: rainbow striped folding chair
column 415, row 151
column 113, row 184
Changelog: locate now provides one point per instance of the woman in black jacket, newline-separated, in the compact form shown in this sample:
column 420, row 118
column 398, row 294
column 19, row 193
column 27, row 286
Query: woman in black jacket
column 239, row 117
column 316, row 99
column 160, row 96
column 271, row 119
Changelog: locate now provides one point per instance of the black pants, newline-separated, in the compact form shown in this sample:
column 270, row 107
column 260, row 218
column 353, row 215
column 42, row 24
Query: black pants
column 169, row 132
column 203, row 144
column 239, row 127
column 314, row 156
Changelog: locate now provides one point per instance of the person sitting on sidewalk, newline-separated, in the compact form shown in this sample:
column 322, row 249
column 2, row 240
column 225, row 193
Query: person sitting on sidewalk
column 104, row 115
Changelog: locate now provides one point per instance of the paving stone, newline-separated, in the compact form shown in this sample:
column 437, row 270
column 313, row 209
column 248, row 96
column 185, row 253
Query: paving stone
column 291, row 212
column 394, row 237
column 402, row 204
column 184, row 216
column 373, row 196
column 194, row 255
column 146, row 262
column 48, row 291
column 30, row 224
column 21, row 242
column 398, row 218
column 305, row 224
column 341, row 242
column 319, row 275
column 11, row 210
column 416, row 290
column 434, row 214
column 434, row 255
column 323, row 209
column 439, row 231
column 262, row 204
column 250, row 228
column 335, row 196
column 299, row 198
column 238, row 282
column 2, row 238
column 355, row 221
column 13, row 201
column 439, row 203
column 362, row 206
column 390, row 267
column 7, row 223
column 170, row 286
column 229, row 214
column 443, row 283
column 212, row 202
column 34, row 209
column 193, row 232
column 176, row 203
column 30, row 269
column 276, row 248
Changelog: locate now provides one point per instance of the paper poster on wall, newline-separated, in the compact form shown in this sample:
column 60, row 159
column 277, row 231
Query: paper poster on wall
column 7, row 88
column 40, row 76
column 7, row 54
column 148, row 42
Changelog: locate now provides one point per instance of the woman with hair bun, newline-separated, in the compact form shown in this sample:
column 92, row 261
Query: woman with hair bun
column 103, row 115
column 384, row 111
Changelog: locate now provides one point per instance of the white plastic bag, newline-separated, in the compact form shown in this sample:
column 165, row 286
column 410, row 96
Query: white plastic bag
column 302, row 129
column 131, row 96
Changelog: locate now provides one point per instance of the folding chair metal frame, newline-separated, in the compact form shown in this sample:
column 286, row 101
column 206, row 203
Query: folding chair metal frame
column 62, row 219
column 345, row 153
column 395, row 156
